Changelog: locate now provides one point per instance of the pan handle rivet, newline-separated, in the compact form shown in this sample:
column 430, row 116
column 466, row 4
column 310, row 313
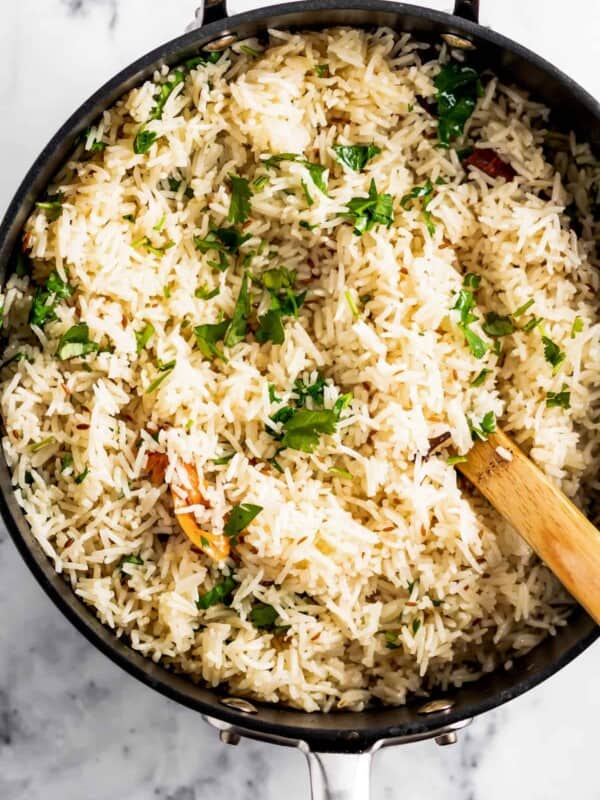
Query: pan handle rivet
column 229, row 737
column 446, row 738
column 436, row 707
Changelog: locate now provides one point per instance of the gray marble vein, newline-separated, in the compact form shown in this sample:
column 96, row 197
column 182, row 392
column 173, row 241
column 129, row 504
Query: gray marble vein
column 72, row 724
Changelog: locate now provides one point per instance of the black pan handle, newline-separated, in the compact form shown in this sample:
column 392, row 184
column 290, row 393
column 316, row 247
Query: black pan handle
column 467, row 9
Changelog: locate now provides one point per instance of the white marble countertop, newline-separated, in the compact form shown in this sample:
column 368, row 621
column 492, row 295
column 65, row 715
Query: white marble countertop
column 73, row 725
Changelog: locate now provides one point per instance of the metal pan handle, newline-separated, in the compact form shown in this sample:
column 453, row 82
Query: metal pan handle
column 467, row 9
column 340, row 776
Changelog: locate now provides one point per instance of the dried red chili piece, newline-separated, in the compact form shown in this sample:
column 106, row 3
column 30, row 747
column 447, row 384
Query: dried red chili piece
column 488, row 161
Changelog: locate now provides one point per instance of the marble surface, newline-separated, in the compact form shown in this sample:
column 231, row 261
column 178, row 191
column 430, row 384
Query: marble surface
column 72, row 725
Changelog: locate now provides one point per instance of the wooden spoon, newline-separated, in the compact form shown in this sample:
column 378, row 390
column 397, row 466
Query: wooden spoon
column 549, row 522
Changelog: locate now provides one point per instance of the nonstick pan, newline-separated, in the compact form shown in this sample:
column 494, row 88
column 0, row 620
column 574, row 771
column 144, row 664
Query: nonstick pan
column 338, row 745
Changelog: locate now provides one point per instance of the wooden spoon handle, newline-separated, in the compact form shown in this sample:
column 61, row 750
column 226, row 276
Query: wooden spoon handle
column 551, row 524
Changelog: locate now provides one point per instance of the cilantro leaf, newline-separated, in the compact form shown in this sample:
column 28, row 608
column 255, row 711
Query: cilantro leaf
column 577, row 327
column 204, row 293
column 207, row 337
column 480, row 378
column 303, row 429
column 44, row 300
column 314, row 390
column 485, row 427
column 239, row 205
column 165, row 369
column 366, row 212
column 322, row 70
column 143, row 141
column 76, row 342
column 220, row 593
column 498, row 325
column 270, row 327
column 143, row 336
column 315, row 171
column 425, row 192
column 553, row 354
column 356, row 156
column 263, row 615
column 240, row 517
column 225, row 241
column 560, row 399
column 204, row 58
column 129, row 560
column 236, row 331
column 165, row 91
column 458, row 87
column 52, row 205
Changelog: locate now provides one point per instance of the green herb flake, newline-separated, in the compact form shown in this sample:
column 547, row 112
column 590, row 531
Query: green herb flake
column 205, row 293
column 143, row 336
column 307, row 195
column 415, row 626
column 220, row 593
column 375, row 209
column 82, row 476
column 76, row 342
column 356, row 156
column 204, row 58
column 239, row 204
column 485, row 427
column 207, row 337
column 222, row 459
column 560, row 399
column 143, row 141
column 391, row 640
column 37, row 446
column 457, row 89
column 452, row 460
column 136, row 560
column 237, row 328
column 52, row 205
column 322, row 70
column 577, row 327
column 165, row 91
column 342, row 473
column 240, row 517
column 425, row 192
column 352, row 304
column 66, row 462
column 159, row 225
column 480, row 378
column 260, row 182
column 553, row 354
column 307, row 226
column 45, row 299
column 522, row 309
column 263, row 616
column 272, row 396
column 496, row 325
column 165, row 369
column 303, row 429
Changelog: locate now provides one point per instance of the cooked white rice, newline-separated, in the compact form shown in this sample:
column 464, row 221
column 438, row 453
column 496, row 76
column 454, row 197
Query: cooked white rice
column 402, row 546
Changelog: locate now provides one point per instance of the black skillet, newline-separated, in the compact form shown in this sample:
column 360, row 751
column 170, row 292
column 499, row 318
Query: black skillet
column 339, row 745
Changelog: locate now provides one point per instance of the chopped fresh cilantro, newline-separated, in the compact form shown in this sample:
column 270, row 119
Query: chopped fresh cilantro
column 452, row 460
column 263, row 615
column 52, row 205
column 464, row 304
column 458, row 87
column 225, row 241
column 313, row 390
column 306, row 225
column 239, row 205
column 553, row 354
column 560, row 399
column 236, row 331
column 472, row 280
column 207, row 337
column 342, row 473
column 174, row 183
column 82, row 476
column 498, row 325
column 45, row 299
column 322, row 70
column 270, row 327
column 240, row 517
column 220, row 593
column 203, row 58
column 303, row 429
column 250, row 51
column 160, row 223
column 531, row 324
column 66, row 462
column 356, row 156
column 143, row 141
column 272, row 396
column 352, row 304
column 522, row 309
column 260, row 182
column 129, row 217
column 144, row 241
column 37, row 446
column 415, row 626
column 426, row 193
column 96, row 145
column 223, row 459
column 166, row 370
column 165, row 91
column 480, row 378
column 307, row 195
column 484, row 428
column 143, row 336
column 315, row 171
column 341, row 403
column 136, row 560
column 577, row 327
column 391, row 640
column 204, row 293
column 75, row 342
column 366, row 212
